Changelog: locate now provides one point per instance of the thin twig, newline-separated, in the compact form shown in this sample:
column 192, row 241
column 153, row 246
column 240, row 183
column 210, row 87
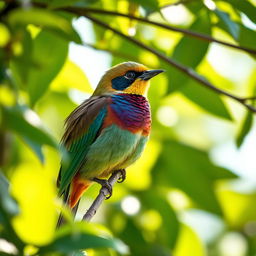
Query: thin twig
column 188, row 71
column 84, row 11
column 115, row 53
column 253, row 98
column 101, row 197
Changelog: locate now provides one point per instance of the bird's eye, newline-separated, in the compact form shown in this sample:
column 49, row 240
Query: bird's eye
column 130, row 75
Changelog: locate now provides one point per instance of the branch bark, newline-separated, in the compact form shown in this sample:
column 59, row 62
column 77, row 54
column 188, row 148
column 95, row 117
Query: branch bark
column 101, row 197
column 188, row 71
column 85, row 11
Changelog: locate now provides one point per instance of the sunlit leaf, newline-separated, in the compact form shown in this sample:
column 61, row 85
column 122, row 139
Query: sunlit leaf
column 49, row 55
column 34, row 190
column 71, row 76
column 245, row 129
column 189, row 243
column 37, row 148
column 205, row 98
column 238, row 207
column 80, row 241
column 16, row 121
column 244, row 6
column 231, row 26
column 245, row 36
column 190, row 170
column 168, row 232
column 149, row 5
column 132, row 235
column 189, row 51
column 5, row 35
column 46, row 19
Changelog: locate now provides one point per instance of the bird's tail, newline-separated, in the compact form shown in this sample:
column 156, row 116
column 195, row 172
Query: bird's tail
column 72, row 196
column 61, row 219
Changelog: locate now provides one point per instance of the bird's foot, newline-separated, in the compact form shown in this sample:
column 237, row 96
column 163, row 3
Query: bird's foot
column 104, row 184
column 123, row 175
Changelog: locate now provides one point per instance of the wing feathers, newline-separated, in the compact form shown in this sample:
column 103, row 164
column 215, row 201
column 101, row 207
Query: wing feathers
column 80, row 119
column 82, row 128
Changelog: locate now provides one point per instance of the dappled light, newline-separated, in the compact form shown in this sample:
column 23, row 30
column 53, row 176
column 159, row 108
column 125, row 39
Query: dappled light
column 193, row 190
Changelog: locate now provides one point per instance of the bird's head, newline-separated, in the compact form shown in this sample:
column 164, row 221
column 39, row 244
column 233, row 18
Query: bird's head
column 127, row 77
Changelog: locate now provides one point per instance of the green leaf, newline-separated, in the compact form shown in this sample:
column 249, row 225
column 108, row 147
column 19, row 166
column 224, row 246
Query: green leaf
column 71, row 76
column 80, row 241
column 230, row 25
column 15, row 120
column 189, row 243
column 7, row 203
column 168, row 232
column 189, row 52
column 36, row 148
column 49, row 55
column 46, row 19
column 8, row 209
column 190, row 170
column 62, row 3
column 133, row 236
column 246, row 127
column 20, row 64
column 149, row 5
column 244, row 6
column 247, row 37
column 206, row 98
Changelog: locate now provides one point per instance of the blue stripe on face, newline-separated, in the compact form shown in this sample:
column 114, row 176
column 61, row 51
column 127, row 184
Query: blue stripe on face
column 122, row 82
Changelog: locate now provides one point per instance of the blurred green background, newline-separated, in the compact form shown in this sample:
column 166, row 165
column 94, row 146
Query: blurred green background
column 193, row 191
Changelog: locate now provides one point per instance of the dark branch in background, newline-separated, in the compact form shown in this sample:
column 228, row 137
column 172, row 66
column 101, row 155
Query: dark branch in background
column 113, row 52
column 84, row 11
column 101, row 197
column 188, row 71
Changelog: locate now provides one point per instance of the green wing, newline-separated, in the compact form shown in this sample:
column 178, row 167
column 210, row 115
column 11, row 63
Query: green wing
column 82, row 128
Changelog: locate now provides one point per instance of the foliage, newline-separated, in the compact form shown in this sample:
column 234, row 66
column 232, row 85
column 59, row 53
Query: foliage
column 177, row 176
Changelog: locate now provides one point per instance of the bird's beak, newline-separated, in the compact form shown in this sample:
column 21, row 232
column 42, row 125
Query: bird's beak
column 146, row 75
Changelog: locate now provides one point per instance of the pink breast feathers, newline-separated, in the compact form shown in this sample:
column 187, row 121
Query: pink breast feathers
column 130, row 112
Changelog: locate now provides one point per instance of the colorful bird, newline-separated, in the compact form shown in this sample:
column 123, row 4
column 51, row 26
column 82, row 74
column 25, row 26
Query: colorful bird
column 108, row 131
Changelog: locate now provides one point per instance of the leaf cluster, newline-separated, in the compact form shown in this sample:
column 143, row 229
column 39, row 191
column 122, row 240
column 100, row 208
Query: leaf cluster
column 176, row 174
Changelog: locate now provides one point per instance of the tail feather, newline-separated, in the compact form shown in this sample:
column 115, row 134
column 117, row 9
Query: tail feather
column 61, row 219
column 72, row 196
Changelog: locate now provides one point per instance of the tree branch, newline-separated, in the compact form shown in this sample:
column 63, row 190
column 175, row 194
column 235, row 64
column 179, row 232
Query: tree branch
column 188, row 71
column 84, row 11
column 101, row 197
column 110, row 51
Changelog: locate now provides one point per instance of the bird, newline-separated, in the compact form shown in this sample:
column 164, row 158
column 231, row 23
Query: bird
column 107, row 132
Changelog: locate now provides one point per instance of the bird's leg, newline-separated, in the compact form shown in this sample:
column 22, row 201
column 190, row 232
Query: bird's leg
column 123, row 175
column 104, row 184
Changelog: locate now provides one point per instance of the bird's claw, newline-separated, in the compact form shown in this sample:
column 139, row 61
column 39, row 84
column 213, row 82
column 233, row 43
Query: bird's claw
column 104, row 184
column 122, row 176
